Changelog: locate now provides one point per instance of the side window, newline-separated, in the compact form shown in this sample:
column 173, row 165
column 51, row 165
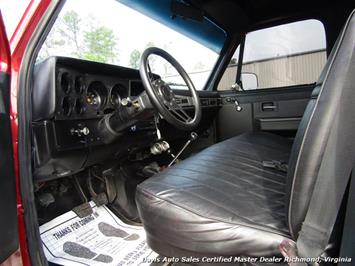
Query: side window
column 285, row 55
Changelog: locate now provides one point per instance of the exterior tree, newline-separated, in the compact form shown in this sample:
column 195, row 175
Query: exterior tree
column 100, row 45
column 134, row 59
column 51, row 42
column 82, row 41
column 152, row 59
column 70, row 30
column 65, row 34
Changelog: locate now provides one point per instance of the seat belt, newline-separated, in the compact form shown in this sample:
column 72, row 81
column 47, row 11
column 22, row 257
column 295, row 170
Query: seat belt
column 333, row 177
column 348, row 235
column 321, row 217
column 338, row 155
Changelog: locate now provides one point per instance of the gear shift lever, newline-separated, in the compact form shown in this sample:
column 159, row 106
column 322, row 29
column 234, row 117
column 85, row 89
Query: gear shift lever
column 193, row 137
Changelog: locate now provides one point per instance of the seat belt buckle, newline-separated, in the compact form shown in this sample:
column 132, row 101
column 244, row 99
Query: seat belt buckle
column 277, row 165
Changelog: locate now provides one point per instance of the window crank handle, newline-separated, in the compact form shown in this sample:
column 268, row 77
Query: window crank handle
column 238, row 107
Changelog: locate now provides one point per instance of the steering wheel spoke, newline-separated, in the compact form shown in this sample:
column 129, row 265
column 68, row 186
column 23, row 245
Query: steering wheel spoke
column 150, row 73
column 163, row 97
column 177, row 110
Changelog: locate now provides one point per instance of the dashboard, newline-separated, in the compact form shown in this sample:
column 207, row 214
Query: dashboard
column 79, row 89
column 69, row 99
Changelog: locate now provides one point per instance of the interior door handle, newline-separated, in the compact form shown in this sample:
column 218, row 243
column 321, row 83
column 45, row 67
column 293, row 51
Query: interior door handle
column 270, row 106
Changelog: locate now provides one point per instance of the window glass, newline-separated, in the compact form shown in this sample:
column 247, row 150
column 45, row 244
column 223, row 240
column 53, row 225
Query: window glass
column 286, row 55
column 110, row 32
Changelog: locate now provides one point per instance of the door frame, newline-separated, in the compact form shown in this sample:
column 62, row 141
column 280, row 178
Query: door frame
column 8, row 202
column 27, row 26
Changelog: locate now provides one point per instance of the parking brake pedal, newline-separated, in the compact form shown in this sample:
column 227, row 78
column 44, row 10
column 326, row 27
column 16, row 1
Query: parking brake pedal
column 193, row 137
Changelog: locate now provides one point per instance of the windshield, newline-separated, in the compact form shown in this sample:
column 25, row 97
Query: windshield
column 110, row 32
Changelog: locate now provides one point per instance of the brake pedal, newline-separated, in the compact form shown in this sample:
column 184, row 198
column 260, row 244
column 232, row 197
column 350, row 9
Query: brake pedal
column 83, row 210
column 100, row 199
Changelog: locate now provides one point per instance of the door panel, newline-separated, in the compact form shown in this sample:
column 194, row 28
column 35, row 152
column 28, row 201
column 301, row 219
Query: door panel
column 284, row 115
column 232, row 123
column 8, row 211
column 277, row 110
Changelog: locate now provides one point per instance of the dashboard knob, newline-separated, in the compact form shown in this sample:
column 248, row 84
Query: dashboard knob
column 85, row 131
column 80, row 132
column 126, row 102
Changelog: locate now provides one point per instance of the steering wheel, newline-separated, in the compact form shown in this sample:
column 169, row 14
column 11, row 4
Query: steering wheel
column 163, row 97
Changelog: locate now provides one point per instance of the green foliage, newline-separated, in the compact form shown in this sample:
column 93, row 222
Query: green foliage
column 50, row 42
column 99, row 45
column 153, row 58
column 70, row 29
column 134, row 59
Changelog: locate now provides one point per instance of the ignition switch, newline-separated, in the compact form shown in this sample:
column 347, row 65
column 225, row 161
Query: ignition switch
column 80, row 132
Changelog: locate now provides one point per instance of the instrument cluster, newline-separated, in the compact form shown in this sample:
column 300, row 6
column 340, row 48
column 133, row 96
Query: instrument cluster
column 81, row 95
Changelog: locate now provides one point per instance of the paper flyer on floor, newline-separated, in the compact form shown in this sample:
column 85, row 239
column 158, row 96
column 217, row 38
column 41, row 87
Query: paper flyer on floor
column 98, row 239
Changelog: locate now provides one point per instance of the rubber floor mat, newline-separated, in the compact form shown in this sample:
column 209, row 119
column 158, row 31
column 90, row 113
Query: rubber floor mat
column 98, row 239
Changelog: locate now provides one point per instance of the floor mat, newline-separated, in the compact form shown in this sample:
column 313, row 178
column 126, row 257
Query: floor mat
column 98, row 239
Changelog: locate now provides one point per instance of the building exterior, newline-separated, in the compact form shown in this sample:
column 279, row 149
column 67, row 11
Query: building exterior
column 290, row 70
column 295, row 69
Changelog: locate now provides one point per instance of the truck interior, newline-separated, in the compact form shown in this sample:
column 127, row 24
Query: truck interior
column 223, row 158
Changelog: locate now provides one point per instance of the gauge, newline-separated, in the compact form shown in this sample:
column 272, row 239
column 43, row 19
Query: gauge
column 117, row 93
column 79, row 107
column 79, row 84
column 67, row 106
column 93, row 99
column 96, row 95
column 66, row 82
column 115, row 99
